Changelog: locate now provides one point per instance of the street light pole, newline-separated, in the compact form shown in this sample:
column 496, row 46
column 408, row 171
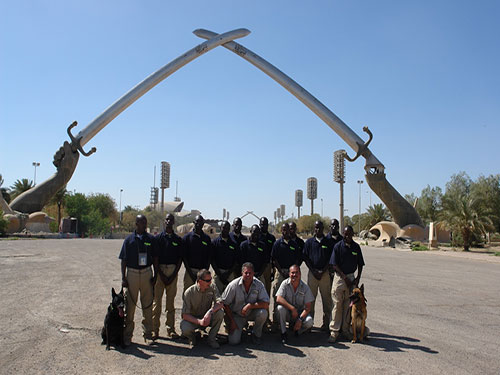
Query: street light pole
column 321, row 207
column 120, row 219
column 359, row 210
column 35, row 164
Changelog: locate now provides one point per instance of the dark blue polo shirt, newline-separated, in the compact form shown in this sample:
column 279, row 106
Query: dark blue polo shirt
column 197, row 250
column 333, row 241
column 269, row 241
column 300, row 243
column 318, row 252
column 286, row 254
column 169, row 248
column 347, row 258
column 225, row 253
column 133, row 245
column 255, row 254
column 238, row 239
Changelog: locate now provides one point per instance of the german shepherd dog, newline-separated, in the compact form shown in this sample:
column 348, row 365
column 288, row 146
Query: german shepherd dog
column 112, row 332
column 358, row 312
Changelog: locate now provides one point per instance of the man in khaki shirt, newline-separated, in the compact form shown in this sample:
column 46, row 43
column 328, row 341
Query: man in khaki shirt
column 202, row 308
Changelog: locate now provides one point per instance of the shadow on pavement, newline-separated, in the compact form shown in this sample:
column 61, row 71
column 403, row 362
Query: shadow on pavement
column 390, row 343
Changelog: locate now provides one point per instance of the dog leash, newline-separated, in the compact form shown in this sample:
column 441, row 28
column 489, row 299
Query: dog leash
column 139, row 307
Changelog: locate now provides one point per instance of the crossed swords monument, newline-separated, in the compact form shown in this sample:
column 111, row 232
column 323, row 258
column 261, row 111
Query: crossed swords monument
column 66, row 158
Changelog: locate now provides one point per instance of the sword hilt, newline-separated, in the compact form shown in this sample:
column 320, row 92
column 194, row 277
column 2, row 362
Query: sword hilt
column 75, row 142
column 361, row 147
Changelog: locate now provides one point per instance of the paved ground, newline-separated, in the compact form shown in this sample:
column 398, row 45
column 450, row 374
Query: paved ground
column 428, row 313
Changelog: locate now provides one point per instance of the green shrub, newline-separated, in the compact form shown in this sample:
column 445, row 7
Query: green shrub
column 417, row 246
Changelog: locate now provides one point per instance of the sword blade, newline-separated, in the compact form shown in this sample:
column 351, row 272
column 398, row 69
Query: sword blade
column 147, row 84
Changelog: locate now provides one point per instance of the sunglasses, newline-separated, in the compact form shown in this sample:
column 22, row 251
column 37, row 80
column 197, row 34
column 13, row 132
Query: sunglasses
column 207, row 281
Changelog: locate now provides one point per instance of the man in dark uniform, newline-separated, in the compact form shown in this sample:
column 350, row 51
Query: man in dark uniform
column 293, row 235
column 236, row 234
column 225, row 258
column 333, row 235
column 169, row 247
column 136, row 256
column 269, row 241
column 253, row 251
column 197, row 251
column 317, row 253
column 285, row 253
column 346, row 258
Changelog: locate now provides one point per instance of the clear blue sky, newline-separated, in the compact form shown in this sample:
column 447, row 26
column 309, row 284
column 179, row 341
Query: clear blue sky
column 422, row 75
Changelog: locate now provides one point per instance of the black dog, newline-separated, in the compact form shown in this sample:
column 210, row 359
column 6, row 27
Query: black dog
column 112, row 332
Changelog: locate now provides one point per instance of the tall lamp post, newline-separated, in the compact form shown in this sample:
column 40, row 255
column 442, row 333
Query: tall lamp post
column 120, row 221
column 339, row 177
column 299, row 194
column 35, row 164
column 312, row 191
column 359, row 207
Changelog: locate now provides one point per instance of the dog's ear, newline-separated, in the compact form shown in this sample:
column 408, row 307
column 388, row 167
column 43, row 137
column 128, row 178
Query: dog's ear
column 362, row 288
column 113, row 293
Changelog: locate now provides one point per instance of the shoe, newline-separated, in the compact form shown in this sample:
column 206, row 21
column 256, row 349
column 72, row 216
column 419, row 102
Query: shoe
column 256, row 340
column 171, row 334
column 333, row 338
column 155, row 336
column 284, row 338
column 191, row 341
column 325, row 328
column 148, row 341
column 213, row 344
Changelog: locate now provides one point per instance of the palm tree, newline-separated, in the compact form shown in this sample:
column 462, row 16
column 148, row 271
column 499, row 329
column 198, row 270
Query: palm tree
column 60, row 200
column 4, row 191
column 20, row 186
column 465, row 214
column 377, row 213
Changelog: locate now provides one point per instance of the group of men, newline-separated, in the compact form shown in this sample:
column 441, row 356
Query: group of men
column 243, row 279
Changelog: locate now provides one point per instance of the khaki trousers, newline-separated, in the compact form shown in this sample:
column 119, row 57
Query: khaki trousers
column 266, row 278
column 139, row 281
column 218, row 282
column 259, row 316
column 170, row 291
column 188, row 328
column 325, row 289
column 341, row 314
column 283, row 315
column 188, row 281
column 278, row 279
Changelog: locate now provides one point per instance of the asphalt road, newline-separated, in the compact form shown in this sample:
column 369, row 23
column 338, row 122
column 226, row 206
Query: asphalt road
column 428, row 313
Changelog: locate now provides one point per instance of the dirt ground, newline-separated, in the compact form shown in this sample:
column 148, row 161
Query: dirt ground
column 429, row 312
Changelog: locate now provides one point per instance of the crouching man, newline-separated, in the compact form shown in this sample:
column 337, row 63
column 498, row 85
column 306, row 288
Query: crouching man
column 294, row 300
column 202, row 308
column 245, row 298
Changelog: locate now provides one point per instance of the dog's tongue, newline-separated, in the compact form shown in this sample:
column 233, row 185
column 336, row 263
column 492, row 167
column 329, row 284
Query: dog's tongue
column 120, row 312
column 351, row 304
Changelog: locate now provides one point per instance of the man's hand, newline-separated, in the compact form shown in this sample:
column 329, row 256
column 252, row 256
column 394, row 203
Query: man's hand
column 295, row 313
column 232, row 327
column 205, row 321
column 297, row 325
column 164, row 279
column 124, row 282
column 245, row 309
column 356, row 282
column 317, row 274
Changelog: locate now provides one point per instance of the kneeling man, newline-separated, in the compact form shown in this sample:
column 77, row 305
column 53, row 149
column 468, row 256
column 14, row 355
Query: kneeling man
column 245, row 298
column 294, row 300
column 202, row 308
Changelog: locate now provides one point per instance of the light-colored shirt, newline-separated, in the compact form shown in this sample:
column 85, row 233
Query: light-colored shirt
column 197, row 303
column 236, row 297
column 297, row 298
